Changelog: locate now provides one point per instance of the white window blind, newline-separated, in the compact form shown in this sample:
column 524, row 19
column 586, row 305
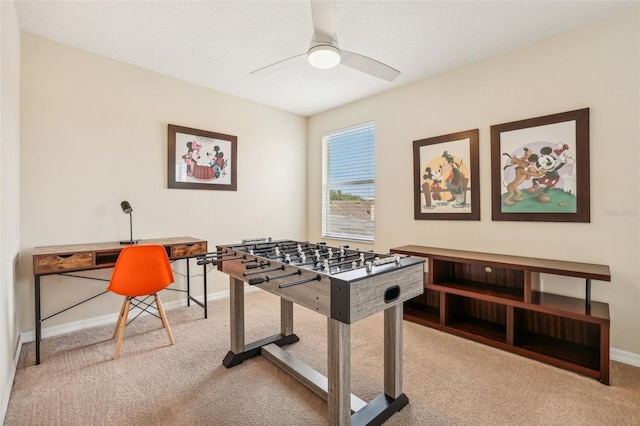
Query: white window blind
column 348, row 183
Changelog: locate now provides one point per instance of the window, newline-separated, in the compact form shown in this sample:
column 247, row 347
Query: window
column 348, row 183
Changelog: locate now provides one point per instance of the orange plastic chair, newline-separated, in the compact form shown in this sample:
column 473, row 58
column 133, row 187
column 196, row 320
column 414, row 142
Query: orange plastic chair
column 141, row 270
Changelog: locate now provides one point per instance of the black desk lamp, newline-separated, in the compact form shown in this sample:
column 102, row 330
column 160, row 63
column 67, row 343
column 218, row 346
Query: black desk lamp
column 127, row 209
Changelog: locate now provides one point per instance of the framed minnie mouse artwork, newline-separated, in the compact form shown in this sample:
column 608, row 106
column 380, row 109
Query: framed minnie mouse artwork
column 540, row 168
column 199, row 159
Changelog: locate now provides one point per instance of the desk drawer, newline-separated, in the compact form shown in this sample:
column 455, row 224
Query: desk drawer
column 60, row 263
column 188, row 249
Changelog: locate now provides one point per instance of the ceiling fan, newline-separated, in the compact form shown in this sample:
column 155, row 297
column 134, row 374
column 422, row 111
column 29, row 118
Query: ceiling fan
column 324, row 52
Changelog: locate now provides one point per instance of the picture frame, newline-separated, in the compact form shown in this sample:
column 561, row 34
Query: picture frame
column 200, row 159
column 540, row 168
column 447, row 177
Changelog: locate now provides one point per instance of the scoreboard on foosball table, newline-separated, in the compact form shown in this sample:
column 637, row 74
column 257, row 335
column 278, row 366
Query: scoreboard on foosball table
column 343, row 284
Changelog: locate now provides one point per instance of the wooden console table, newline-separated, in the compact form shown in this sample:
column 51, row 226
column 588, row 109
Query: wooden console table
column 496, row 300
column 65, row 259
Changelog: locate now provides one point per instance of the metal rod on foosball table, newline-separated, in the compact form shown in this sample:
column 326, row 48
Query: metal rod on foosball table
column 261, row 265
column 307, row 280
column 262, row 271
column 259, row 251
column 227, row 255
column 281, row 246
column 201, row 260
column 266, row 278
column 346, row 262
column 323, row 257
column 211, row 257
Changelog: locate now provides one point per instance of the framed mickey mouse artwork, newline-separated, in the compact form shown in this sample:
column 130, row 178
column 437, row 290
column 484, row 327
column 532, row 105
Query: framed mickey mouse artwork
column 446, row 177
column 200, row 159
column 540, row 168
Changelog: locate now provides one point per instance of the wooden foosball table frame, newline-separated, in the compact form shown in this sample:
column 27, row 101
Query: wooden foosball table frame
column 345, row 293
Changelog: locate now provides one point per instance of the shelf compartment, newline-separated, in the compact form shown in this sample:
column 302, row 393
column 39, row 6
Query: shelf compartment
column 566, row 339
column 446, row 271
column 570, row 306
column 475, row 288
column 420, row 314
column 477, row 317
column 429, row 299
column 107, row 258
column 424, row 308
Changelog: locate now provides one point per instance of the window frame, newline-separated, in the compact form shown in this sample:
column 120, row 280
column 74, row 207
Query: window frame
column 327, row 231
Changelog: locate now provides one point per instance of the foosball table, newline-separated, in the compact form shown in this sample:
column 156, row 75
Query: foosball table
column 343, row 284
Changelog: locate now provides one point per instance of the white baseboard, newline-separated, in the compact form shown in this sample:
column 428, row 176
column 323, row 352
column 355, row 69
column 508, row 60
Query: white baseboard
column 7, row 392
column 625, row 357
column 56, row 330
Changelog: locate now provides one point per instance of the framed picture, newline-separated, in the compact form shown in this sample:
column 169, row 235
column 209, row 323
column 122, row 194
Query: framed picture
column 540, row 168
column 446, row 177
column 199, row 159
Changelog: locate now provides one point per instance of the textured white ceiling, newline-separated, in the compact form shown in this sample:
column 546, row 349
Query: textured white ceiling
column 217, row 44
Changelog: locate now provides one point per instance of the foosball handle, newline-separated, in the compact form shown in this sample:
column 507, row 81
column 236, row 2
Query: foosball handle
column 254, row 281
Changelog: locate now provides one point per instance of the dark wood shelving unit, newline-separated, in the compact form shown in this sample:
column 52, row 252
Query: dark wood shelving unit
column 496, row 300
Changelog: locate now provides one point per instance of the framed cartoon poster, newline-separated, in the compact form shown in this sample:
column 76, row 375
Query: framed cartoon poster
column 199, row 159
column 446, row 177
column 540, row 168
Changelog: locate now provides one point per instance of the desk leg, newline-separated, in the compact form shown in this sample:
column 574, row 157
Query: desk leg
column 188, row 284
column 38, row 318
column 204, row 269
column 339, row 372
column 189, row 298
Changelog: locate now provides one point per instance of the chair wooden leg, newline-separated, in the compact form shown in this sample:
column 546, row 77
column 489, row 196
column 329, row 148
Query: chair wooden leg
column 123, row 324
column 163, row 317
column 122, row 314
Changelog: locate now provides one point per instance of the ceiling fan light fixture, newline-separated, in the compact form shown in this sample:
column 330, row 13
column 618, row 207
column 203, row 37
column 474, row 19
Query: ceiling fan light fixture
column 323, row 56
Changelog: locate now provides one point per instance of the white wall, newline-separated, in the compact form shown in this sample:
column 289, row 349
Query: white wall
column 94, row 133
column 595, row 67
column 9, row 196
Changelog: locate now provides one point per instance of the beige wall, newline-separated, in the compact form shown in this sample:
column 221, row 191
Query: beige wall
column 94, row 133
column 10, row 196
column 595, row 67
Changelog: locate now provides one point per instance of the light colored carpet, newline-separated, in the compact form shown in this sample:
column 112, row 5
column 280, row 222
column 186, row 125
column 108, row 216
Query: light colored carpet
column 449, row 380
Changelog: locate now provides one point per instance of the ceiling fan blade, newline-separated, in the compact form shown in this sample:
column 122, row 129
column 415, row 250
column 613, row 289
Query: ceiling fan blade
column 285, row 63
column 368, row 65
column 323, row 14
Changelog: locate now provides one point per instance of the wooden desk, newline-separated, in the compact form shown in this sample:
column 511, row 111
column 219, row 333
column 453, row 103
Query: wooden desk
column 62, row 260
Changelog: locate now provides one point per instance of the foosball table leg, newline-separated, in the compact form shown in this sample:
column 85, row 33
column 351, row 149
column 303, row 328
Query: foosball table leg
column 236, row 295
column 339, row 372
column 392, row 400
column 239, row 350
column 393, row 351
column 286, row 317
